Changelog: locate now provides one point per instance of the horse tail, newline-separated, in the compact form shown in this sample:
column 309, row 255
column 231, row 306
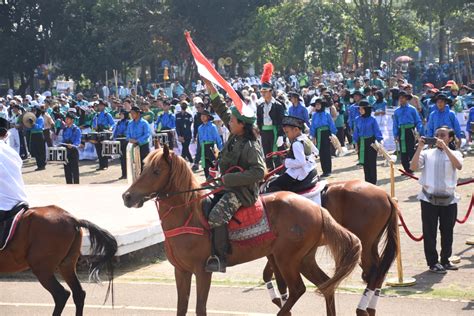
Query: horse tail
column 103, row 249
column 345, row 247
column 390, row 246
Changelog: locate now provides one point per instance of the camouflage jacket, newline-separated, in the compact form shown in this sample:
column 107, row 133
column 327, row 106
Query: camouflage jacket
column 239, row 151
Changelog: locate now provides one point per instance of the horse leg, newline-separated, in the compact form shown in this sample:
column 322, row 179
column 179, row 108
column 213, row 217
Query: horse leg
column 183, row 285
column 67, row 269
column 289, row 268
column 203, row 285
column 50, row 283
column 268, row 271
column 368, row 272
column 375, row 298
column 311, row 271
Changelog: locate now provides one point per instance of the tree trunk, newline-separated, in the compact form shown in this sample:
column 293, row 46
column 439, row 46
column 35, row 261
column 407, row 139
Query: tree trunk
column 11, row 80
column 442, row 38
column 153, row 76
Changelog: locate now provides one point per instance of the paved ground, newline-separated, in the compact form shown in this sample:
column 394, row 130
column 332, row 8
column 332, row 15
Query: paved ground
column 456, row 286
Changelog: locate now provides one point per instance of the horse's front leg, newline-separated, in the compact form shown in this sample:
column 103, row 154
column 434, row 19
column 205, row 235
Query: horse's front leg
column 203, row 284
column 183, row 285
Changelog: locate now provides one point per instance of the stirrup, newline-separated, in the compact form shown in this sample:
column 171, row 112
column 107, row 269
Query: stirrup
column 213, row 264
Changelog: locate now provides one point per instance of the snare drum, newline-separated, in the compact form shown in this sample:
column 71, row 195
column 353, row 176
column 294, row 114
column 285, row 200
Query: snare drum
column 105, row 136
column 57, row 155
column 84, row 138
column 160, row 139
column 111, row 148
column 93, row 137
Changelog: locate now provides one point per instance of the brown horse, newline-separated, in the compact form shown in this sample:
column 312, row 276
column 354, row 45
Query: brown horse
column 367, row 211
column 49, row 239
column 300, row 228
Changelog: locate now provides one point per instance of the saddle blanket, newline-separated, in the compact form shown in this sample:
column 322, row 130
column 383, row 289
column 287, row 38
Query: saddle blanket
column 314, row 194
column 250, row 225
column 8, row 228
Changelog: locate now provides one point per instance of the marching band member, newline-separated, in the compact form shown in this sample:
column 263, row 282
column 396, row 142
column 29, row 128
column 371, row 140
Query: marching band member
column 322, row 126
column 298, row 109
column 366, row 132
column 138, row 132
column 405, row 119
column 37, row 144
column 72, row 139
column 300, row 162
column 269, row 116
column 166, row 122
column 443, row 116
column 120, row 133
column 184, row 121
column 470, row 123
column 102, row 122
column 208, row 136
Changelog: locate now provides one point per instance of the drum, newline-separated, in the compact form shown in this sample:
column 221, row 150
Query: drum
column 57, row 155
column 160, row 139
column 93, row 137
column 106, row 135
column 111, row 148
column 84, row 138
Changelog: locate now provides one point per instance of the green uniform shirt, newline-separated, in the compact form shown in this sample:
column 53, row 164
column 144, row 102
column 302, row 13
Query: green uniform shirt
column 239, row 151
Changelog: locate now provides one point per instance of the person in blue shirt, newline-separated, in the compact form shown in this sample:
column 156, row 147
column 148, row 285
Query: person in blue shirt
column 72, row 139
column 354, row 108
column 208, row 136
column 166, row 122
column 120, row 134
column 102, row 122
column 36, row 139
column 298, row 109
column 366, row 132
column 470, row 123
column 405, row 120
column 322, row 126
column 138, row 132
column 443, row 116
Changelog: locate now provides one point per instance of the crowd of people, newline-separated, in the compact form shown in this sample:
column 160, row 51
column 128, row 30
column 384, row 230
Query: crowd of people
column 308, row 116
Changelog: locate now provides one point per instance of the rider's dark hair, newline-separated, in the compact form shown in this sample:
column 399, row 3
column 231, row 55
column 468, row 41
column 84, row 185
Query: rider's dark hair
column 250, row 131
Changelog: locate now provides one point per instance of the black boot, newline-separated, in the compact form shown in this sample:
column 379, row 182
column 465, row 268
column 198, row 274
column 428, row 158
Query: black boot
column 217, row 261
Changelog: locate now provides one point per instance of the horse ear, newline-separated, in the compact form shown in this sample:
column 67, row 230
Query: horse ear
column 166, row 152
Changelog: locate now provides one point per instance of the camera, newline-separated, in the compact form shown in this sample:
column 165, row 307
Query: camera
column 430, row 140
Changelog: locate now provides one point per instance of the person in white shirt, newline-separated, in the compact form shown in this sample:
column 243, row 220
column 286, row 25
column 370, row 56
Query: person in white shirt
column 12, row 187
column 300, row 162
column 438, row 198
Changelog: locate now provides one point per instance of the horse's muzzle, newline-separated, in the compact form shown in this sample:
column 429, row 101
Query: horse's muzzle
column 131, row 200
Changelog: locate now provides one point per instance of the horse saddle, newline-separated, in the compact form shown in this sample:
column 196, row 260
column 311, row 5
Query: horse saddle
column 248, row 226
column 9, row 221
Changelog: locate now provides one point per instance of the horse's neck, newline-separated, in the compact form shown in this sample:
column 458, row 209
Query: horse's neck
column 176, row 211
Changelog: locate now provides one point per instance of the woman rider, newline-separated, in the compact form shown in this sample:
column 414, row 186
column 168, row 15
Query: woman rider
column 241, row 188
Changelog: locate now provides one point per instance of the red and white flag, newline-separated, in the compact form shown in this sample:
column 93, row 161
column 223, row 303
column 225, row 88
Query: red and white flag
column 206, row 70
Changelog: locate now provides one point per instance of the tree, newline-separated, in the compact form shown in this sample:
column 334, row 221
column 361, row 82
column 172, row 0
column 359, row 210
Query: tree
column 438, row 11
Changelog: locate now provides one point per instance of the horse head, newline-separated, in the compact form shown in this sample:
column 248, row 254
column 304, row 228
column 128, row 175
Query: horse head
column 153, row 179
column 163, row 172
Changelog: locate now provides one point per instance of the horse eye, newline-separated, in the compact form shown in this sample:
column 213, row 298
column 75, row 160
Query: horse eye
column 156, row 172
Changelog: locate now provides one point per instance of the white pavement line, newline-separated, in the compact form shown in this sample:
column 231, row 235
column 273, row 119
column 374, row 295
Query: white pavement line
column 127, row 307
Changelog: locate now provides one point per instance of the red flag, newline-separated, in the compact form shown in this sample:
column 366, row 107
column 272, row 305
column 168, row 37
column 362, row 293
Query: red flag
column 206, row 70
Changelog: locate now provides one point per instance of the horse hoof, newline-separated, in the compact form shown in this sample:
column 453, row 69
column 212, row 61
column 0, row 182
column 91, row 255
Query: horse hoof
column 277, row 302
column 371, row 311
column 360, row 312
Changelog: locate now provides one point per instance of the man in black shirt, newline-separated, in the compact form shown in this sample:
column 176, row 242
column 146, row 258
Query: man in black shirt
column 199, row 105
column 183, row 129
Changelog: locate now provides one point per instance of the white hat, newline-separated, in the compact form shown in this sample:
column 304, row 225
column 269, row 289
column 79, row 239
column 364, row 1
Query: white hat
column 47, row 93
column 197, row 100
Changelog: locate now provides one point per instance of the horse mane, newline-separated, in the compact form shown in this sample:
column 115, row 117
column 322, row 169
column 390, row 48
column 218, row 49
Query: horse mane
column 181, row 178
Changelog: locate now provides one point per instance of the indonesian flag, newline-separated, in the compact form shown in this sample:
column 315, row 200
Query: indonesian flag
column 206, row 70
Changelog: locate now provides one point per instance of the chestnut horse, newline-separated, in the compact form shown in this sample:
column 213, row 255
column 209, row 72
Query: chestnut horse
column 49, row 239
column 368, row 212
column 299, row 226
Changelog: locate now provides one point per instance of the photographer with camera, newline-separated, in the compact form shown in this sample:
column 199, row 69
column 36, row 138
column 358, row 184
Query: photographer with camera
column 438, row 198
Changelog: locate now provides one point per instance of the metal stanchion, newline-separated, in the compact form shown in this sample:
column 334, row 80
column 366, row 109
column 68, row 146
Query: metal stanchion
column 401, row 280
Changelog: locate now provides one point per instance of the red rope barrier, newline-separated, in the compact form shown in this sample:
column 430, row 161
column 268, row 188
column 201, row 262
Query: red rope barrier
column 416, row 178
column 462, row 221
column 413, row 237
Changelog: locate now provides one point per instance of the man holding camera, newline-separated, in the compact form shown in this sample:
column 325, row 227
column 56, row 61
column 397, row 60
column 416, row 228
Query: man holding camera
column 438, row 198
